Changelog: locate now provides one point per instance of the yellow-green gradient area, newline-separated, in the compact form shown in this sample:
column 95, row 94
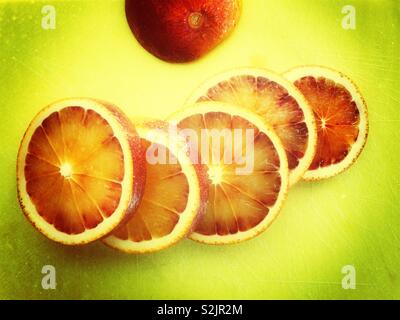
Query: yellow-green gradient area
column 352, row 219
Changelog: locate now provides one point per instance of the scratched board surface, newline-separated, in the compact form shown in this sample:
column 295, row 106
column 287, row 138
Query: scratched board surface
column 351, row 220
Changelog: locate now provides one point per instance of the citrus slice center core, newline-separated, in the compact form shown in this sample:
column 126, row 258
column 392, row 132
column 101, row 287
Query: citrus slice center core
column 215, row 174
column 66, row 170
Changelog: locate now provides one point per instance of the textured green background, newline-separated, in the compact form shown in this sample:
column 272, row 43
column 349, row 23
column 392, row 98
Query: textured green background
column 351, row 219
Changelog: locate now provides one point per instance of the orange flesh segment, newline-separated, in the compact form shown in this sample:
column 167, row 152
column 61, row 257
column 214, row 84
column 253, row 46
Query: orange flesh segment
column 273, row 102
column 337, row 118
column 165, row 198
column 74, row 169
column 237, row 203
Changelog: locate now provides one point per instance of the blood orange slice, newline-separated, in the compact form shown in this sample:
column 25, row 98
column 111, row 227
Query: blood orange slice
column 80, row 170
column 173, row 197
column 341, row 115
column 277, row 101
column 247, row 170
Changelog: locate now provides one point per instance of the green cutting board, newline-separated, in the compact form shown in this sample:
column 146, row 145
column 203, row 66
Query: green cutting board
column 352, row 219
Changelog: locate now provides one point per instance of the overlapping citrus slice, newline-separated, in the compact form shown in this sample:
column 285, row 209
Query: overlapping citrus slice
column 341, row 115
column 172, row 200
column 277, row 101
column 247, row 170
column 80, row 170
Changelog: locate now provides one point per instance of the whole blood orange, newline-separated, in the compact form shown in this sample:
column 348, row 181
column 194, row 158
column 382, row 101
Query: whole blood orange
column 181, row 31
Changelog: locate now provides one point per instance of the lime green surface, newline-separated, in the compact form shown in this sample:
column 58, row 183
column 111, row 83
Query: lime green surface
column 351, row 219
